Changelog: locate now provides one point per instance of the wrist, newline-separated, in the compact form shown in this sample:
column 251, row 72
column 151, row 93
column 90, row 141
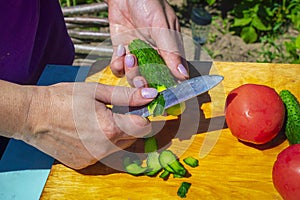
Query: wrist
column 36, row 119
column 14, row 104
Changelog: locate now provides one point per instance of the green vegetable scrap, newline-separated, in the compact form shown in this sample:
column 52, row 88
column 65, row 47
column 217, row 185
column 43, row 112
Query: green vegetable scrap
column 193, row 162
column 169, row 162
column 157, row 106
column 164, row 174
column 183, row 189
column 165, row 161
column 153, row 164
column 154, row 69
column 292, row 127
column 152, row 161
column 133, row 166
column 150, row 145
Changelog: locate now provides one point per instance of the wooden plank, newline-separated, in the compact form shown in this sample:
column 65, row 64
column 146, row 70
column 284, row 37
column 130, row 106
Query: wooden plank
column 228, row 168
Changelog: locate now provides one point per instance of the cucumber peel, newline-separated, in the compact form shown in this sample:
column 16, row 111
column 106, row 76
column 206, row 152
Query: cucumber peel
column 157, row 106
column 183, row 189
column 133, row 166
column 164, row 174
column 192, row 162
column 150, row 144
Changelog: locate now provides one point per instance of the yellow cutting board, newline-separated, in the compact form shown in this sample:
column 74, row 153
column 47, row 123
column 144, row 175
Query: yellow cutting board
column 228, row 169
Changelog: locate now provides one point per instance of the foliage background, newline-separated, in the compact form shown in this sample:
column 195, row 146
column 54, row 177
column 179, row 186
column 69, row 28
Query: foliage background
column 242, row 30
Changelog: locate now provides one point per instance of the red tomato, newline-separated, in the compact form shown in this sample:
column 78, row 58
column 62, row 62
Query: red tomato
column 286, row 173
column 254, row 113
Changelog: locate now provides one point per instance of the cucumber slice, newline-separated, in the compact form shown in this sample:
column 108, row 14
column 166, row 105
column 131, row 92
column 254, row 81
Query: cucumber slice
column 169, row 161
column 164, row 174
column 192, row 162
column 153, row 164
column 183, row 189
column 132, row 165
column 150, row 144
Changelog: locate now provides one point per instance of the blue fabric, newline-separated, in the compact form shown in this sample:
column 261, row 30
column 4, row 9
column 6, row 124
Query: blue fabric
column 23, row 168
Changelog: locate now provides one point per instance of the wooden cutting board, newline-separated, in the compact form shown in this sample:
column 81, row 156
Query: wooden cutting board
column 228, row 168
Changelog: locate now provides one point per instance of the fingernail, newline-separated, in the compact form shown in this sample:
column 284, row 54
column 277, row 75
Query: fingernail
column 129, row 60
column 182, row 70
column 149, row 93
column 120, row 50
column 138, row 83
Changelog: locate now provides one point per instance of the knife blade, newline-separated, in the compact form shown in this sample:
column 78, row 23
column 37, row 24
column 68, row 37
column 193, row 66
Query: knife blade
column 183, row 92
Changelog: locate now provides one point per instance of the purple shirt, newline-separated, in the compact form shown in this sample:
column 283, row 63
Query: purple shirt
column 32, row 35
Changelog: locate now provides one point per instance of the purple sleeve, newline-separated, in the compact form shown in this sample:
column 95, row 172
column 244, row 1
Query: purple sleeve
column 33, row 34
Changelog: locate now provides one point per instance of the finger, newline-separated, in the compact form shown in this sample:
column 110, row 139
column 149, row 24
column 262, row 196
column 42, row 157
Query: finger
column 117, row 61
column 139, row 82
column 132, row 126
column 169, row 42
column 176, row 64
column 123, row 144
column 131, row 68
column 171, row 50
column 124, row 96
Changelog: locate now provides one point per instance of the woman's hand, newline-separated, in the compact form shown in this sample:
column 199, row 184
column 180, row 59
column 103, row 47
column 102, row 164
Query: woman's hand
column 153, row 21
column 71, row 122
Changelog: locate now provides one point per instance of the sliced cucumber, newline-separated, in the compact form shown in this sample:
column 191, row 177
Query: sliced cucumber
column 164, row 174
column 192, row 162
column 133, row 166
column 153, row 164
column 150, row 144
column 183, row 189
column 169, row 161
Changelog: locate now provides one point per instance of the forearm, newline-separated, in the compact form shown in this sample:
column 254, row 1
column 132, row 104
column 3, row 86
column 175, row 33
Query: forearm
column 14, row 106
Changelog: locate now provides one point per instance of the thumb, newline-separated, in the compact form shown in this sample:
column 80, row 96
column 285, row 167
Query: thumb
column 132, row 126
column 124, row 96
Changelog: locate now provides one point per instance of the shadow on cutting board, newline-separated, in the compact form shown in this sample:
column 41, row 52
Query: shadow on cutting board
column 167, row 130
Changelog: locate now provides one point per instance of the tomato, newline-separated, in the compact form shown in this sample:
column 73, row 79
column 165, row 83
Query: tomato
column 254, row 113
column 286, row 173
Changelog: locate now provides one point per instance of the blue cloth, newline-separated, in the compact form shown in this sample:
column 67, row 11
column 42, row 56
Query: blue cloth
column 23, row 168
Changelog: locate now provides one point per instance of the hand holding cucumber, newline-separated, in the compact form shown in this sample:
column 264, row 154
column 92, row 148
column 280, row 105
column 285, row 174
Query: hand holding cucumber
column 152, row 21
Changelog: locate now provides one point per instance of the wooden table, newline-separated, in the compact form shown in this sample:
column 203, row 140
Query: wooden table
column 228, row 168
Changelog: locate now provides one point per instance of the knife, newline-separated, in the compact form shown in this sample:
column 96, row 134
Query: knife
column 182, row 92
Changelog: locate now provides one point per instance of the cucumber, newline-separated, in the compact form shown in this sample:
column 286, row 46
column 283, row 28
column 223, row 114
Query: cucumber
column 157, row 106
column 183, row 189
column 152, row 158
column 192, row 162
column 151, row 65
column 177, row 176
column 153, row 164
column 170, row 163
column 133, row 166
column 154, row 69
column 164, row 174
column 150, row 144
column 292, row 126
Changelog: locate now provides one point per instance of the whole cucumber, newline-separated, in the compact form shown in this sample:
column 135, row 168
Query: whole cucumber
column 292, row 127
